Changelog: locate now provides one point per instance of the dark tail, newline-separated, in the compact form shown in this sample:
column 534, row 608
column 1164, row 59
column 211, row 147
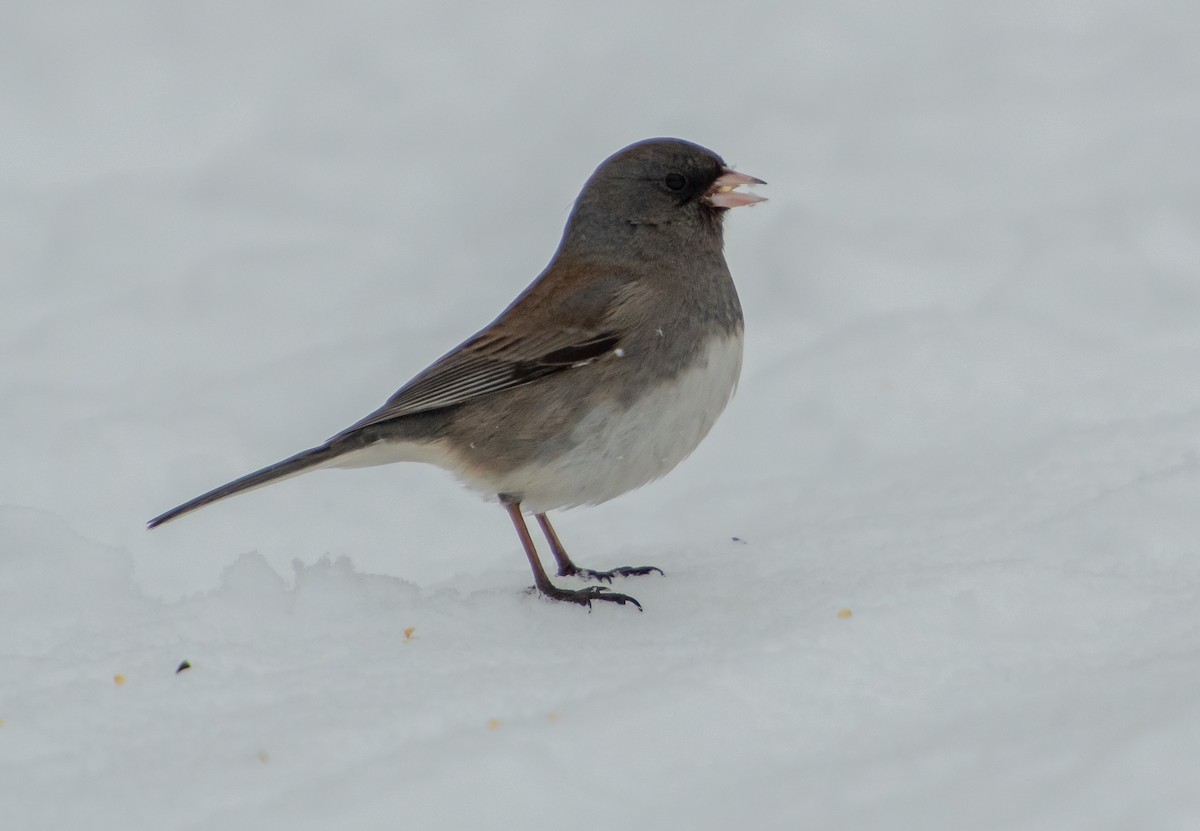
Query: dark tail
column 280, row 470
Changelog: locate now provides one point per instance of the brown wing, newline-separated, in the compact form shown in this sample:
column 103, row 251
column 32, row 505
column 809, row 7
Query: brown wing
column 562, row 325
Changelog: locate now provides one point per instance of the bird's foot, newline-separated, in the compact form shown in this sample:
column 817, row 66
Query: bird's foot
column 584, row 597
column 607, row 576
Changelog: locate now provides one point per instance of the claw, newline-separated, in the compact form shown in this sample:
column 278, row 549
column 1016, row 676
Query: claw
column 607, row 576
column 584, row 597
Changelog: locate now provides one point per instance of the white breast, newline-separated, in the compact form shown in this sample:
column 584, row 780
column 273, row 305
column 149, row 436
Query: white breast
column 623, row 449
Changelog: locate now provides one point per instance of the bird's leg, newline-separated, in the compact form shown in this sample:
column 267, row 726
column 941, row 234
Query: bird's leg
column 541, row 582
column 566, row 568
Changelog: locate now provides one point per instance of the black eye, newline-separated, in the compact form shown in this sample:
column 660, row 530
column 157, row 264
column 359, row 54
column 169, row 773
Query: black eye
column 675, row 181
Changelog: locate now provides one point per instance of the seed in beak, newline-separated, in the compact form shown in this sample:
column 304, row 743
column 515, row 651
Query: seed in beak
column 725, row 194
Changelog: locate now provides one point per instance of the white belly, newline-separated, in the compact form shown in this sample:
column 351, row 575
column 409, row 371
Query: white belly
column 622, row 449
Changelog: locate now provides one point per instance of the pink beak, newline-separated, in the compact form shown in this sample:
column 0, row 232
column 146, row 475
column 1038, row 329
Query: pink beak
column 724, row 193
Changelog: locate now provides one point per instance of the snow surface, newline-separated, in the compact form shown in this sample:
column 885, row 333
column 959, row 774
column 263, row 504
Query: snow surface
column 970, row 415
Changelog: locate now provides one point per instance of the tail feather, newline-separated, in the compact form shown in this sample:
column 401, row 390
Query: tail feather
column 280, row 470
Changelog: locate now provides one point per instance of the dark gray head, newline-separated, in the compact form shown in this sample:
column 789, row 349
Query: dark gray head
column 669, row 190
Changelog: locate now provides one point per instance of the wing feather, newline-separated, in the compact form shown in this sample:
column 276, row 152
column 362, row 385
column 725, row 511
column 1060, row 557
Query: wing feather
column 481, row 367
column 569, row 317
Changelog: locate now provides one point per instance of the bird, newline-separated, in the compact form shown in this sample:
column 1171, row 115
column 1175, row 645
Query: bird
column 602, row 376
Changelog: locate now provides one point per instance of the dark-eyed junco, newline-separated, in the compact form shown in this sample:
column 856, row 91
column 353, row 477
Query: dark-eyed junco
column 602, row 376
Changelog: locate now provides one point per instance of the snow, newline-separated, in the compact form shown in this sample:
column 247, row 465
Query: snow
column 968, row 415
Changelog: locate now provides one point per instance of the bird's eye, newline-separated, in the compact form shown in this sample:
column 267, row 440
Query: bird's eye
column 675, row 181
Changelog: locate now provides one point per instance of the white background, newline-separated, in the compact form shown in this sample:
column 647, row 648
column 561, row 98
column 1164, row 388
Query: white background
column 970, row 414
